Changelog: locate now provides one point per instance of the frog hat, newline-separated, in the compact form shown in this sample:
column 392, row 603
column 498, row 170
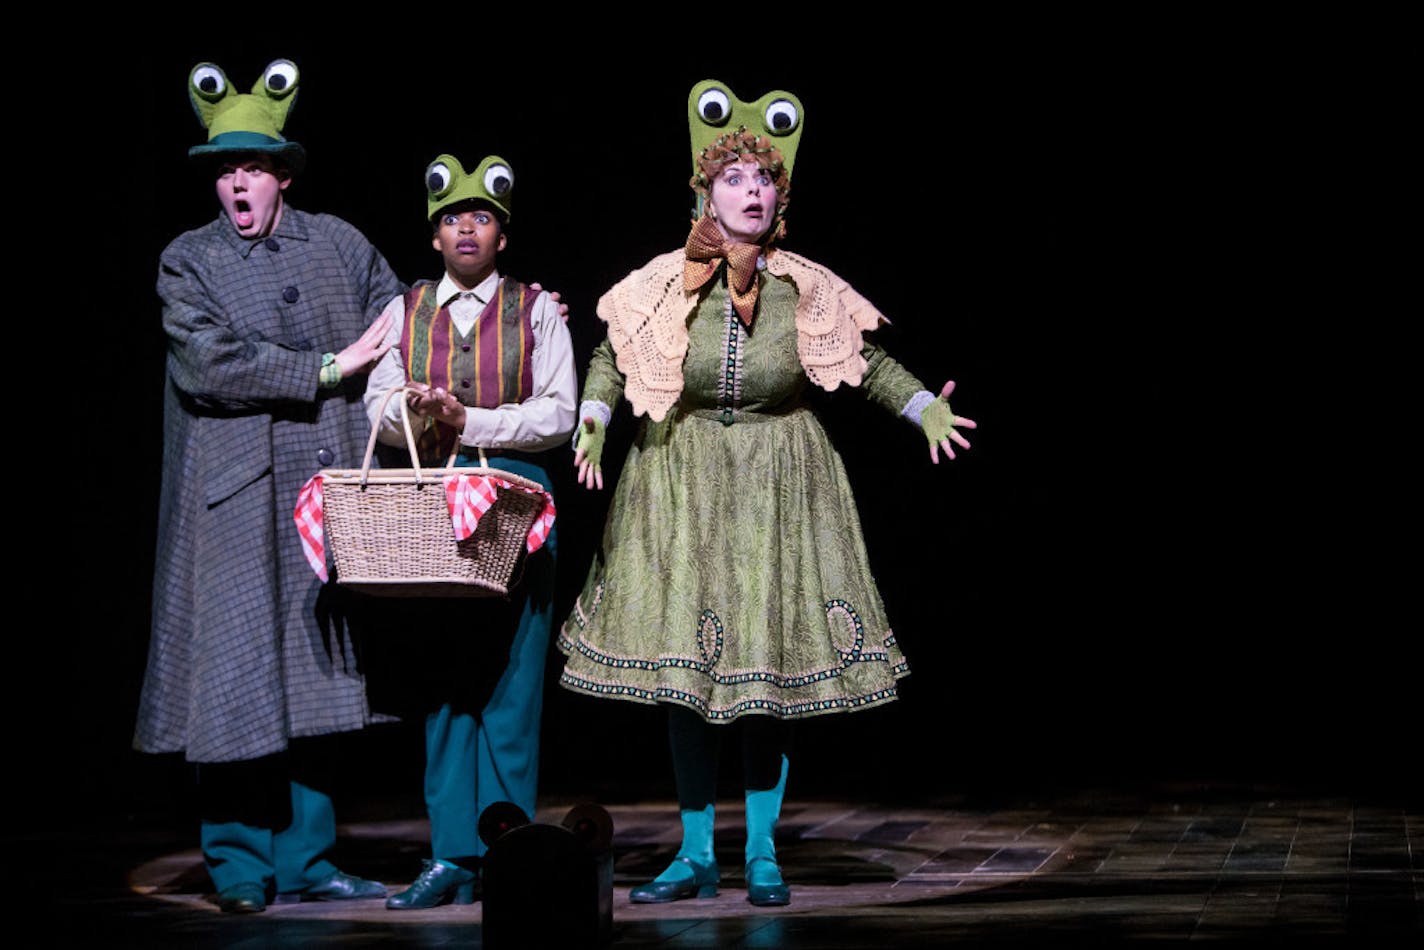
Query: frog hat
column 447, row 183
column 725, row 129
column 245, row 123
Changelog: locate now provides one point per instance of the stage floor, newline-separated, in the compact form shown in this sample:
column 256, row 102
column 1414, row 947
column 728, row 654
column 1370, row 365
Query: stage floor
column 1191, row 862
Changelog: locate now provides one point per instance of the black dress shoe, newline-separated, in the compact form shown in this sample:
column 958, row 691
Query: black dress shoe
column 344, row 887
column 703, row 883
column 439, row 883
column 247, row 897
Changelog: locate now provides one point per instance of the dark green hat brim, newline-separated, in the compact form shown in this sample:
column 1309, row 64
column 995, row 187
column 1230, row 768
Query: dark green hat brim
column 245, row 143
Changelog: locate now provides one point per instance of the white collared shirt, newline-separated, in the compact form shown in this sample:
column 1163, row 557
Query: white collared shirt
column 542, row 421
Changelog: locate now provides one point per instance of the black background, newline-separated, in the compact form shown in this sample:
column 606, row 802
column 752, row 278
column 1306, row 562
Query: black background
column 1131, row 248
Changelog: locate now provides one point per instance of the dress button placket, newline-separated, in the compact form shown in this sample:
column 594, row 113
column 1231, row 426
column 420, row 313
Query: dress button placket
column 729, row 377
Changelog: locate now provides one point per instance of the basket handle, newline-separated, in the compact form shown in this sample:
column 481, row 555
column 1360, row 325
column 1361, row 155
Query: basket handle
column 375, row 429
column 409, row 439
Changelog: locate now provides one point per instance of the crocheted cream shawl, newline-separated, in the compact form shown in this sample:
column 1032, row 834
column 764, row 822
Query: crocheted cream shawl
column 647, row 314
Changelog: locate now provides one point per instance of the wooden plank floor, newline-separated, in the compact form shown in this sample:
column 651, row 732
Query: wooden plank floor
column 1085, row 869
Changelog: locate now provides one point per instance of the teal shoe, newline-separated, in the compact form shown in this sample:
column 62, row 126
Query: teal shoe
column 765, row 888
column 439, row 883
column 702, row 884
column 247, row 897
column 344, row 887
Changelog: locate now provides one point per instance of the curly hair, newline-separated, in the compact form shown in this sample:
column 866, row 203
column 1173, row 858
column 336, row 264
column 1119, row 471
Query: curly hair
column 742, row 145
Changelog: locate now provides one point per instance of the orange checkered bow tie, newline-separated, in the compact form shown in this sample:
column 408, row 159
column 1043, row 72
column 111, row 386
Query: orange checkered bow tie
column 706, row 249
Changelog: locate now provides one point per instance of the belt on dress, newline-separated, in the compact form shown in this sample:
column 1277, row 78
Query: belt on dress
column 729, row 416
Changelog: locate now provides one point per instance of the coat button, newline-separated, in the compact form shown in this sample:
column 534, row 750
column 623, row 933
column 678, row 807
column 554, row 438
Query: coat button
column 291, row 294
column 465, row 383
column 325, row 456
column 272, row 244
column 465, row 347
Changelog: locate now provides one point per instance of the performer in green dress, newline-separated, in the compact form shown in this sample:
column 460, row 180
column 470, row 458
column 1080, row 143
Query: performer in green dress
column 732, row 580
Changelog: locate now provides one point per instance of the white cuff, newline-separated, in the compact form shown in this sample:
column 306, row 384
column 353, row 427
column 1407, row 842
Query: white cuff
column 592, row 407
column 915, row 408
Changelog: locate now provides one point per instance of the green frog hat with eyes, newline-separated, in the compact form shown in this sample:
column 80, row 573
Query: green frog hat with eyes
column 725, row 129
column 447, row 183
column 244, row 123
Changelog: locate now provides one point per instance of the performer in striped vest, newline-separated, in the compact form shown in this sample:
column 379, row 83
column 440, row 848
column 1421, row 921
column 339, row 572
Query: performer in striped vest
column 491, row 364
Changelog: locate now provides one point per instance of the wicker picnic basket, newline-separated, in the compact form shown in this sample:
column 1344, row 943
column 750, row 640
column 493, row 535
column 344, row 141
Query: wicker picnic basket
column 390, row 532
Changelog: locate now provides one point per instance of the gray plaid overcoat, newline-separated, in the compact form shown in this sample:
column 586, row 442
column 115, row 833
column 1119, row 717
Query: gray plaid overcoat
column 248, row 647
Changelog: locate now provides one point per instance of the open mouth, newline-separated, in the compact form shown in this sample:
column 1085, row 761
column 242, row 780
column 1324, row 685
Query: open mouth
column 752, row 211
column 242, row 213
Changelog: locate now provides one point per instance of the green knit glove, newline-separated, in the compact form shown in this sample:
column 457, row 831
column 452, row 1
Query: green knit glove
column 591, row 434
column 941, row 426
column 937, row 421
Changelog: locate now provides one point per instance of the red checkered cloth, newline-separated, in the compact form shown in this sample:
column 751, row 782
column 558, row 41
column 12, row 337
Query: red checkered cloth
column 308, row 517
column 470, row 496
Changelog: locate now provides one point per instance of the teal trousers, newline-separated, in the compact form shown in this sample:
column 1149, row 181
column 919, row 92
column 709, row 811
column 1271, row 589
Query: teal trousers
column 286, row 860
column 474, row 759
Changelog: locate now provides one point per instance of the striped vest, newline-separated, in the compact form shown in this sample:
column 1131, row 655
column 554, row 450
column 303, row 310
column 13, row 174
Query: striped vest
column 490, row 366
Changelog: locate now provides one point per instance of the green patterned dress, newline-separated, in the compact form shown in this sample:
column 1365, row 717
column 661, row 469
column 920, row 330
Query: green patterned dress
column 732, row 576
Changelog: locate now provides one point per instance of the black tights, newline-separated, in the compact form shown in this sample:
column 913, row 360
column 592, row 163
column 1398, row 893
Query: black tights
column 696, row 747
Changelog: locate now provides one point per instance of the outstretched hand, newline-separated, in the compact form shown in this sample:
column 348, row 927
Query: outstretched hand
column 554, row 296
column 363, row 355
column 588, row 452
column 436, row 403
column 939, row 424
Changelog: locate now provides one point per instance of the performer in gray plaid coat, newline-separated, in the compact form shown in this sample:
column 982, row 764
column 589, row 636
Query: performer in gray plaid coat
column 268, row 312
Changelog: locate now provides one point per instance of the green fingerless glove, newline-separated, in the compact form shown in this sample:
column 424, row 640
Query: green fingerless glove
column 937, row 421
column 591, row 433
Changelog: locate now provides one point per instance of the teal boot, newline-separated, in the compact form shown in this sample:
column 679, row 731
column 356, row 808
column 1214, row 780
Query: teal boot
column 693, row 873
column 765, row 888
